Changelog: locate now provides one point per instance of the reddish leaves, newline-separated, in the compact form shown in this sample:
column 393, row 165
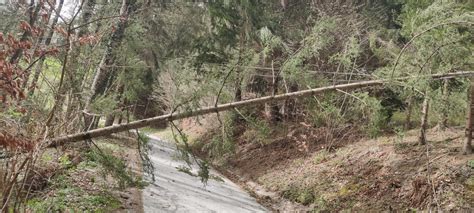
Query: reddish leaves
column 61, row 31
column 12, row 143
column 12, row 76
column 88, row 39
column 25, row 26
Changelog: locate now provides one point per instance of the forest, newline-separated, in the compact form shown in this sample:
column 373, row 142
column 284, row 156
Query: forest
column 295, row 105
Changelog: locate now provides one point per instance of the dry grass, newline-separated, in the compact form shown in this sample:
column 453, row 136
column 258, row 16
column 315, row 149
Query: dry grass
column 381, row 174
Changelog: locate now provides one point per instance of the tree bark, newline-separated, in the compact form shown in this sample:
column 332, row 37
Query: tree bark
column 49, row 38
column 443, row 120
column 110, row 118
column 38, row 44
column 223, row 107
column 274, row 109
column 467, row 149
column 33, row 12
column 290, row 104
column 104, row 71
column 77, row 72
column 409, row 111
column 424, row 119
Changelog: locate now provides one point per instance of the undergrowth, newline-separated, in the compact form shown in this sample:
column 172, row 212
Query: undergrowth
column 65, row 196
column 114, row 166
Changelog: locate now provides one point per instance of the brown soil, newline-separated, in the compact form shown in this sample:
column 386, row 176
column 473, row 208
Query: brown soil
column 292, row 142
column 338, row 170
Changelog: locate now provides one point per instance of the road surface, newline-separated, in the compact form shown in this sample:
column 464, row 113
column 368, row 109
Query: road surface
column 175, row 191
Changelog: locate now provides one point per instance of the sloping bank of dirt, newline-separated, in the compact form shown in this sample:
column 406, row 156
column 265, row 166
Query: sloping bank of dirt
column 75, row 178
column 293, row 171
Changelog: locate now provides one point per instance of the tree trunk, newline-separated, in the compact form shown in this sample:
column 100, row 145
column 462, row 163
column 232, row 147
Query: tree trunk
column 443, row 120
column 49, row 38
column 273, row 110
column 223, row 107
column 38, row 44
column 424, row 119
column 76, row 71
column 110, row 118
column 290, row 104
column 467, row 149
column 409, row 111
column 33, row 12
column 104, row 73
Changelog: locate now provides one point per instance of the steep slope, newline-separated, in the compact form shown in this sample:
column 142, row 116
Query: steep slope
column 388, row 173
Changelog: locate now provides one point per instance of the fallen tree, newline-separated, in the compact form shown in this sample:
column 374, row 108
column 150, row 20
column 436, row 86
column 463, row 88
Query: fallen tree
column 223, row 107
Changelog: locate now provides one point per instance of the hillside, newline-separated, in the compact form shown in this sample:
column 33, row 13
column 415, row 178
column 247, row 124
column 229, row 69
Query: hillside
column 296, row 169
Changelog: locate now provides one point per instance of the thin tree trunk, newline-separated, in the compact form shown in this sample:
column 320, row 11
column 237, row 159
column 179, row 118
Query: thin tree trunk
column 49, row 38
column 290, row 104
column 223, row 107
column 104, row 73
column 110, row 118
column 467, row 149
column 274, row 110
column 409, row 111
column 443, row 120
column 238, row 82
column 33, row 12
column 76, row 71
column 424, row 119
column 38, row 44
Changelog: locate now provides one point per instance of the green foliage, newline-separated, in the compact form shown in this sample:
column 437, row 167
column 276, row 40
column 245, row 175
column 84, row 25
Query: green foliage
column 324, row 113
column 455, row 105
column 317, row 40
column 400, row 133
column 67, row 197
column 300, row 195
column 104, row 104
column 219, row 146
column 258, row 131
column 143, row 151
column 352, row 51
column 222, row 144
column 320, row 156
column 470, row 163
column 233, row 23
column 64, row 161
column 372, row 110
column 114, row 166
column 188, row 156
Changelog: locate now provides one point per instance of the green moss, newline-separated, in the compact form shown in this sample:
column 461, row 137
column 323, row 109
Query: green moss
column 470, row 183
column 65, row 197
column 68, row 199
column 305, row 198
column 348, row 189
column 470, row 163
column 301, row 195
column 105, row 200
column 320, row 157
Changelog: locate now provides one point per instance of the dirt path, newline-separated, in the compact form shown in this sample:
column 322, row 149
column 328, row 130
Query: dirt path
column 175, row 191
